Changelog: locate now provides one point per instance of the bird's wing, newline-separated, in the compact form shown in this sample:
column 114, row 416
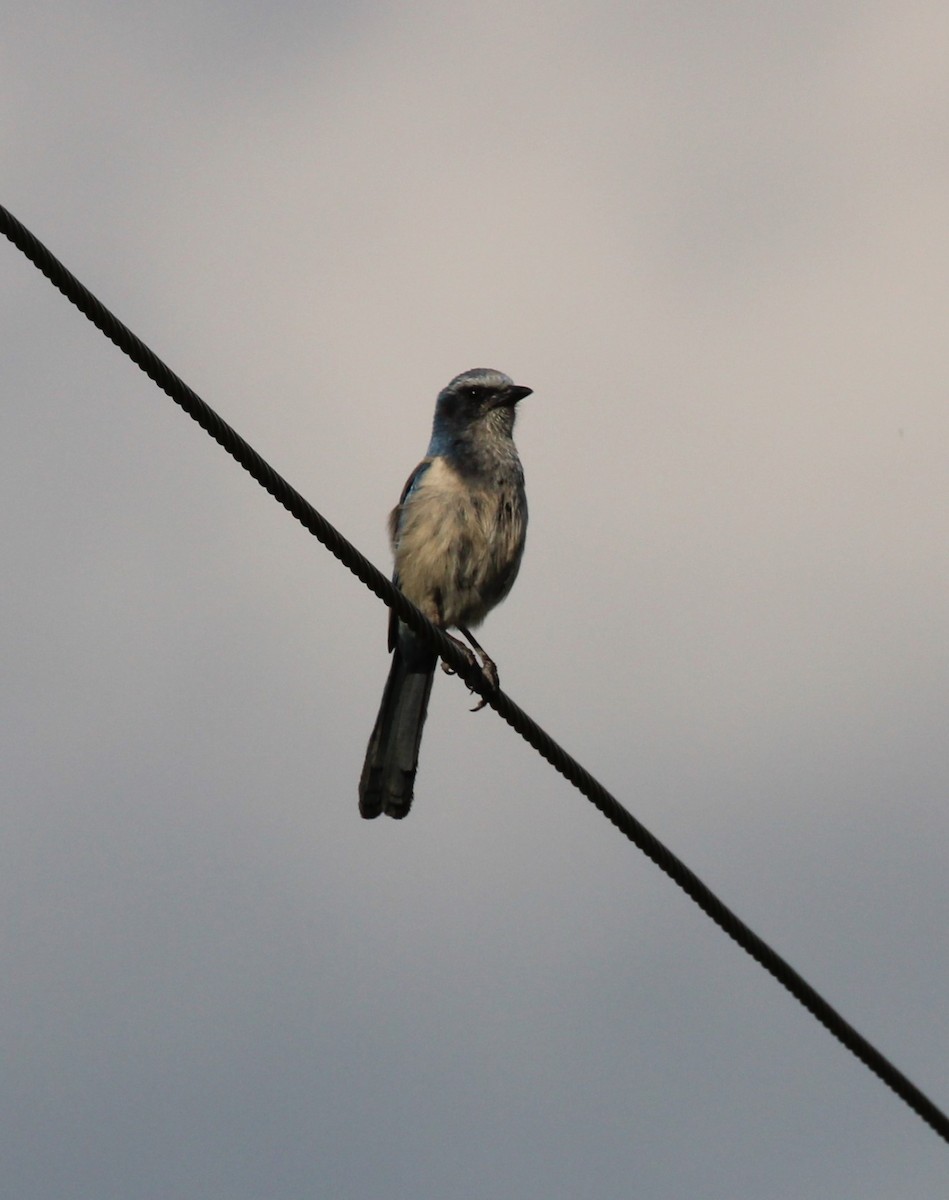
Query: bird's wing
column 411, row 484
column 395, row 517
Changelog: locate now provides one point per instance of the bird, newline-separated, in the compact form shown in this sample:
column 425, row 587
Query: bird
column 457, row 537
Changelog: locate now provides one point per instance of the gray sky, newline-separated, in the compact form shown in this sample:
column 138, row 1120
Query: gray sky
column 713, row 239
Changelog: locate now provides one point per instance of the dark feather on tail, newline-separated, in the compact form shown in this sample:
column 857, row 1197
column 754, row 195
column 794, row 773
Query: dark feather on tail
column 388, row 774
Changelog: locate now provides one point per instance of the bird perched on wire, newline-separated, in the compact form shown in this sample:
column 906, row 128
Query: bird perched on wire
column 457, row 538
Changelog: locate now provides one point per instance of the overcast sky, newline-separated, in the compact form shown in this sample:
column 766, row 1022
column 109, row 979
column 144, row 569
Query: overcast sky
column 714, row 239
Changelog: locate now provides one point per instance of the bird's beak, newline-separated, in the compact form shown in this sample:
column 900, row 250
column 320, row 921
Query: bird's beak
column 514, row 393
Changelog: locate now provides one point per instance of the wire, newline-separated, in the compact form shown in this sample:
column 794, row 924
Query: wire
column 545, row 745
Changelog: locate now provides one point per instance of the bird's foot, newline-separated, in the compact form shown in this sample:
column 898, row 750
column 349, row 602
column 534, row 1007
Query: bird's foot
column 490, row 672
column 486, row 666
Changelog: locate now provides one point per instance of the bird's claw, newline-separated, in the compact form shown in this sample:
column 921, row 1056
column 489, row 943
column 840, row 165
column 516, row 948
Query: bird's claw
column 486, row 666
column 490, row 672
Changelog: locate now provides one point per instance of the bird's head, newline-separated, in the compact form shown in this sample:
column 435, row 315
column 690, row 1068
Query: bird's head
column 476, row 398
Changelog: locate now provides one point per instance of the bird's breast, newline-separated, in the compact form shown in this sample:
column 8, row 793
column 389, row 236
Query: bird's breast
column 459, row 542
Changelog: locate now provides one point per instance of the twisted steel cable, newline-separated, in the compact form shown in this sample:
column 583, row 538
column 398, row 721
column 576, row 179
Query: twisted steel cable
column 515, row 716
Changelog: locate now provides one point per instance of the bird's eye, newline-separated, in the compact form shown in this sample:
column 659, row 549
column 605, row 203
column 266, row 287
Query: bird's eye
column 473, row 393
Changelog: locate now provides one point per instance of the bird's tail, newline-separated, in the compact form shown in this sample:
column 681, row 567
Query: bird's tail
column 388, row 774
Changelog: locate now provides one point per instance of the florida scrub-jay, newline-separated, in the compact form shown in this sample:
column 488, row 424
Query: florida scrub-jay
column 457, row 538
